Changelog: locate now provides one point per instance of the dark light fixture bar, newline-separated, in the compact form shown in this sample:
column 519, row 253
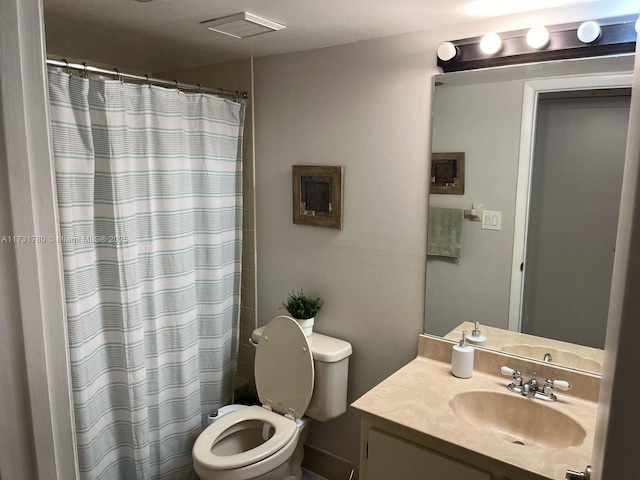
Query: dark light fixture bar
column 618, row 36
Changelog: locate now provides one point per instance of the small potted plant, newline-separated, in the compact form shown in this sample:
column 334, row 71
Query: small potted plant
column 303, row 309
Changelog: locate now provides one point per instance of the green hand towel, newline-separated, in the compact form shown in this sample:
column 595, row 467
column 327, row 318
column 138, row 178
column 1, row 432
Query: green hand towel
column 444, row 237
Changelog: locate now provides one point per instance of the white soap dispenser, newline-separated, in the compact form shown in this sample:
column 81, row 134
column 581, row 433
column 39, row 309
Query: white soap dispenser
column 476, row 337
column 462, row 358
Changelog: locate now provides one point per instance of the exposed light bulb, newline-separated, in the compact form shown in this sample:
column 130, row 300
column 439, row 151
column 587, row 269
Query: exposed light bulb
column 491, row 43
column 589, row 32
column 538, row 37
column 447, row 51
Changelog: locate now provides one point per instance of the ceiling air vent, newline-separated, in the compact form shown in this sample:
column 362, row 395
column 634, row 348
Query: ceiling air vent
column 243, row 25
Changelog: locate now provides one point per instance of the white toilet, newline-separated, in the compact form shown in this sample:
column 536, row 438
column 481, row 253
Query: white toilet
column 295, row 375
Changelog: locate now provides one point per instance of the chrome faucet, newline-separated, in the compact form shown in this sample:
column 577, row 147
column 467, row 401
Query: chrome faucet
column 532, row 389
column 547, row 358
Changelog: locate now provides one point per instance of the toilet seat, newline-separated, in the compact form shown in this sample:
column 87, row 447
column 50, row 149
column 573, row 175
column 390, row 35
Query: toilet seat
column 284, row 380
column 284, row 431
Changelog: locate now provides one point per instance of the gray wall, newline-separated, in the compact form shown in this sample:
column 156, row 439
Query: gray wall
column 575, row 199
column 364, row 106
column 36, row 431
column 483, row 121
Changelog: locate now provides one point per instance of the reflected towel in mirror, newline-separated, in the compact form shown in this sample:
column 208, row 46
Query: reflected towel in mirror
column 444, row 235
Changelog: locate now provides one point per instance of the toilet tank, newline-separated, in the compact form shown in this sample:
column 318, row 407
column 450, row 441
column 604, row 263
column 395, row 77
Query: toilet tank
column 331, row 373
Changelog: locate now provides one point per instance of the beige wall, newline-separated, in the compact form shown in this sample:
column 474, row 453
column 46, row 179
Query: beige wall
column 237, row 75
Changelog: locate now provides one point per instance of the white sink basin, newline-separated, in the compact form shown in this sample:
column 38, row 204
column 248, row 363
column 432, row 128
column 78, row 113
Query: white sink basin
column 517, row 419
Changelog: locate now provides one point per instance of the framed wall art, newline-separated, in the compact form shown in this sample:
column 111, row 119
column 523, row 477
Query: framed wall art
column 447, row 173
column 318, row 195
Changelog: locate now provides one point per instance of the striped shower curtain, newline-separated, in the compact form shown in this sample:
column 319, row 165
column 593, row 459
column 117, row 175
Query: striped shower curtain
column 149, row 185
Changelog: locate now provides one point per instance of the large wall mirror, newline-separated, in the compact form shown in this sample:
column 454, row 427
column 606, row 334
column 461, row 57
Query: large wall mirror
column 544, row 149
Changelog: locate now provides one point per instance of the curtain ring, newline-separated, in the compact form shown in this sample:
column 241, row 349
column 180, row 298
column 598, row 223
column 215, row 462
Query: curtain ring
column 67, row 69
column 85, row 71
column 178, row 85
column 221, row 91
column 200, row 88
column 147, row 83
column 118, row 75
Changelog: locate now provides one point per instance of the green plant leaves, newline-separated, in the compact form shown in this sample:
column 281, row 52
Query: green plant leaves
column 302, row 306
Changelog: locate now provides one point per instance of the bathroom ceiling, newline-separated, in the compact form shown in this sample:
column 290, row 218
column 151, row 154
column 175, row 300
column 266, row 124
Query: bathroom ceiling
column 162, row 34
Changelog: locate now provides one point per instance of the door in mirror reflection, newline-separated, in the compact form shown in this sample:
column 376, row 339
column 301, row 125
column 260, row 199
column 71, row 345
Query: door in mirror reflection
column 575, row 198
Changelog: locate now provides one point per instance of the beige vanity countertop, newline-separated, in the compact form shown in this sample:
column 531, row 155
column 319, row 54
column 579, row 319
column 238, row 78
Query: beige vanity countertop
column 499, row 339
column 417, row 397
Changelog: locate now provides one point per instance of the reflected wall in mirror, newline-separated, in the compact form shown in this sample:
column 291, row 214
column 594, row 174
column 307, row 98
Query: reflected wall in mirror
column 527, row 285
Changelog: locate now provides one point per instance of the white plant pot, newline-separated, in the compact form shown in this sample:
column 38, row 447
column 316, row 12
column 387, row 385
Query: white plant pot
column 307, row 325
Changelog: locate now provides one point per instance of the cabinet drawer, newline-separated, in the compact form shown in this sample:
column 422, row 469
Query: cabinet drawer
column 391, row 457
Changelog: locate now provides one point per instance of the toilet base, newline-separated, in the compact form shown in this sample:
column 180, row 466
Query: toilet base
column 295, row 463
column 292, row 469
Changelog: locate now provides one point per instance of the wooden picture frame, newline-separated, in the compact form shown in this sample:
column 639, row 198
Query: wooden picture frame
column 447, row 173
column 318, row 195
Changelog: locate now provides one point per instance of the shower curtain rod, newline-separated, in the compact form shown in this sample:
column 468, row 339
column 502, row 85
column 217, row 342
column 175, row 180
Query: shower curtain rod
column 83, row 67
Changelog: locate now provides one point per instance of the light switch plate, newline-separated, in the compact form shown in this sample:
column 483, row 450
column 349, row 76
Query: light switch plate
column 491, row 220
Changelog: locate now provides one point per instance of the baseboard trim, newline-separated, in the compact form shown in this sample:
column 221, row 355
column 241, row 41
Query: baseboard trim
column 328, row 465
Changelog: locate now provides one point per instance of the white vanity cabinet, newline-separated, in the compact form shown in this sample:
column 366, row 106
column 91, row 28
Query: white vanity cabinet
column 389, row 451
column 391, row 457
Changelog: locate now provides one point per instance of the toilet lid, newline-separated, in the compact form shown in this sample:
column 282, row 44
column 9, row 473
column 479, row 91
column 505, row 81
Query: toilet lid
column 284, row 367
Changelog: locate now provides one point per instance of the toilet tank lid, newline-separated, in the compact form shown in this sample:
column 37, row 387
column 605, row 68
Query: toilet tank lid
column 323, row 348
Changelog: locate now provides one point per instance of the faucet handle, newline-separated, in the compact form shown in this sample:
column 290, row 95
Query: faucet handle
column 550, row 384
column 508, row 371
column 561, row 384
column 517, row 376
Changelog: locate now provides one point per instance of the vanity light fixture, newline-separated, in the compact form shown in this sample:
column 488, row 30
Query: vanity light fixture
column 491, row 43
column 538, row 37
column 589, row 32
column 611, row 36
column 447, row 51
